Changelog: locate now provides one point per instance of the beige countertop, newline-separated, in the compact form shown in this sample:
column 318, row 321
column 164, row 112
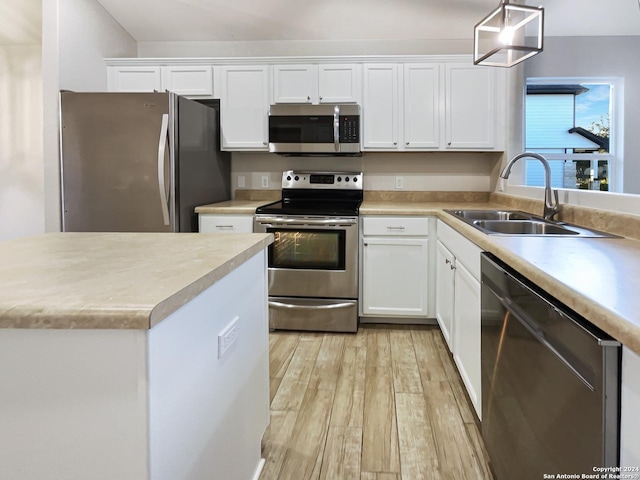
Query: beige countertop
column 112, row 280
column 599, row 278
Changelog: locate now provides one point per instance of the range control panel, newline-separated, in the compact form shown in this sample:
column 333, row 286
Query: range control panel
column 327, row 180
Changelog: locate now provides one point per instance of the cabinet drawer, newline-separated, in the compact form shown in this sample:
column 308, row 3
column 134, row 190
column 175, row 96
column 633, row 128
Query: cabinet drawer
column 395, row 226
column 225, row 223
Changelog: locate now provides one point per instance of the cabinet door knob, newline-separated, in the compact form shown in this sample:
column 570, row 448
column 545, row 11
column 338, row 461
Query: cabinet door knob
column 308, row 98
column 449, row 143
column 407, row 143
column 395, row 143
column 320, row 97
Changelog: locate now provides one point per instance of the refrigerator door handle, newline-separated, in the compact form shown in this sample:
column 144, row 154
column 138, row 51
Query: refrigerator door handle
column 162, row 146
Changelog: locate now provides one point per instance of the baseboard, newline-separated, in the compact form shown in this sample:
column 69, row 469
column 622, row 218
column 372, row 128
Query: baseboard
column 259, row 468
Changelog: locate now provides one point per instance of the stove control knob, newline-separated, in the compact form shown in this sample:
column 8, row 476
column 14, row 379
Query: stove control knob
column 296, row 178
column 288, row 178
column 339, row 179
column 346, row 179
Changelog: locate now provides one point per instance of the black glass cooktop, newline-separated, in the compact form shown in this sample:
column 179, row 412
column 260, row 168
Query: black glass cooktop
column 314, row 202
column 301, row 207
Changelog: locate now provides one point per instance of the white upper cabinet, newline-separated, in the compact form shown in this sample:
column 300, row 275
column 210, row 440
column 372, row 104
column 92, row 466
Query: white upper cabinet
column 339, row 83
column 380, row 107
column 401, row 106
column 183, row 80
column 421, row 106
column 295, row 84
column 244, row 107
column 134, row 79
column 431, row 106
column 429, row 103
column 316, row 83
column 471, row 107
column 188, row 80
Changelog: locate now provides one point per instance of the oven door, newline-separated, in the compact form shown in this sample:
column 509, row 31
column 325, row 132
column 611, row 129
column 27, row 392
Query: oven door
column 312, row 257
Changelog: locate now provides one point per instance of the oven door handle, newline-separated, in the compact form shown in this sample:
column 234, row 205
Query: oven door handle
column 331, row 306
column 270, row 221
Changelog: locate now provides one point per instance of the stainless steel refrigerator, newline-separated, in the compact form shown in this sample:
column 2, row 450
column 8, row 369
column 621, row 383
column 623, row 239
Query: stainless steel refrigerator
column 139, row 162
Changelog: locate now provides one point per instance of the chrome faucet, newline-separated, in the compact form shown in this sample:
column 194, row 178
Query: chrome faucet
column 551, row 206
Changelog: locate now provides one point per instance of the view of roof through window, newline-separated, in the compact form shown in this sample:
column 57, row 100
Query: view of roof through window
column 570, row 125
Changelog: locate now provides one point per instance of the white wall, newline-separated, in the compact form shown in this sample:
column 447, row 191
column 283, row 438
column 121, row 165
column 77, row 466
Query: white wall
column 312, row 48
column 595, row 57
column 88, row 34
column 21, row 175
column 77, row 35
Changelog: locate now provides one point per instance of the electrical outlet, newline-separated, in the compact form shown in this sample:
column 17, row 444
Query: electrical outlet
column 228, row 336
column 241, row 181
column 399, row 182
column 265, row 181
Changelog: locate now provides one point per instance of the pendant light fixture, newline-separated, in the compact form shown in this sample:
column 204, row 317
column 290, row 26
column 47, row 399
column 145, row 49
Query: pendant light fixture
column 508, row 35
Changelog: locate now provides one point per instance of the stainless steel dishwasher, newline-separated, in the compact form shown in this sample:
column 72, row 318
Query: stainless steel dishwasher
column 550, row 382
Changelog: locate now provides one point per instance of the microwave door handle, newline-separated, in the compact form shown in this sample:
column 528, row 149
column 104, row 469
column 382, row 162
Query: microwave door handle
column 336, row 128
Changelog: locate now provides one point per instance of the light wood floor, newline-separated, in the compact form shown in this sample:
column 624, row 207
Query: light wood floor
column 384, row 404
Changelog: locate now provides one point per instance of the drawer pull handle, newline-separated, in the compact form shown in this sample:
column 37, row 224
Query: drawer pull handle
column 224, row 226
column 395, row 228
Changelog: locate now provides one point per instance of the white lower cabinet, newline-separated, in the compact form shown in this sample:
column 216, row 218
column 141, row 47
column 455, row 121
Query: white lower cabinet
column 214, row 223
column 466, row 332
column 165, row 403
column 445, row 264
column 458, row 305
column 394, row 267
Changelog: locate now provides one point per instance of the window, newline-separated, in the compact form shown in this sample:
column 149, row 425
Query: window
column 569, row 122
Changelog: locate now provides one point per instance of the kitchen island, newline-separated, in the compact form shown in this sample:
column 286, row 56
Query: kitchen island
column 133, row 356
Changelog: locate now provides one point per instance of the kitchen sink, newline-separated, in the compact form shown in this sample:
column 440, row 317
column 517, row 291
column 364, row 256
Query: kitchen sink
column 516, row 222
column 523, row 227
column 491, row 214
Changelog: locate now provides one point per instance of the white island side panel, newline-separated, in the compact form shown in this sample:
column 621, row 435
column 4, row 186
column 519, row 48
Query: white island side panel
column 208, row 414
column 73, row 404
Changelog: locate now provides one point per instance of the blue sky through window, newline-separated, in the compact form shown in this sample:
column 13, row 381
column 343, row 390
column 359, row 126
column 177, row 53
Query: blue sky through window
column 593, row 105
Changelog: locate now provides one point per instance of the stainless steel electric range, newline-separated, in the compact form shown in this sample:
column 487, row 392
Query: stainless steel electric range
column 313, row 262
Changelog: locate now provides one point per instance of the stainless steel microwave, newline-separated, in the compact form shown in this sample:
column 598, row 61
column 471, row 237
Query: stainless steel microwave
column 314, row 129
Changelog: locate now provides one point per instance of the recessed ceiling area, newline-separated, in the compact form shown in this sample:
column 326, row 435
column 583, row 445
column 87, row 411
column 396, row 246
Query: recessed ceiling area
column 255, row 20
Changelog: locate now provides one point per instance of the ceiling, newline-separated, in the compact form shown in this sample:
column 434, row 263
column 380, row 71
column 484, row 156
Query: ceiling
column 254, row 20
